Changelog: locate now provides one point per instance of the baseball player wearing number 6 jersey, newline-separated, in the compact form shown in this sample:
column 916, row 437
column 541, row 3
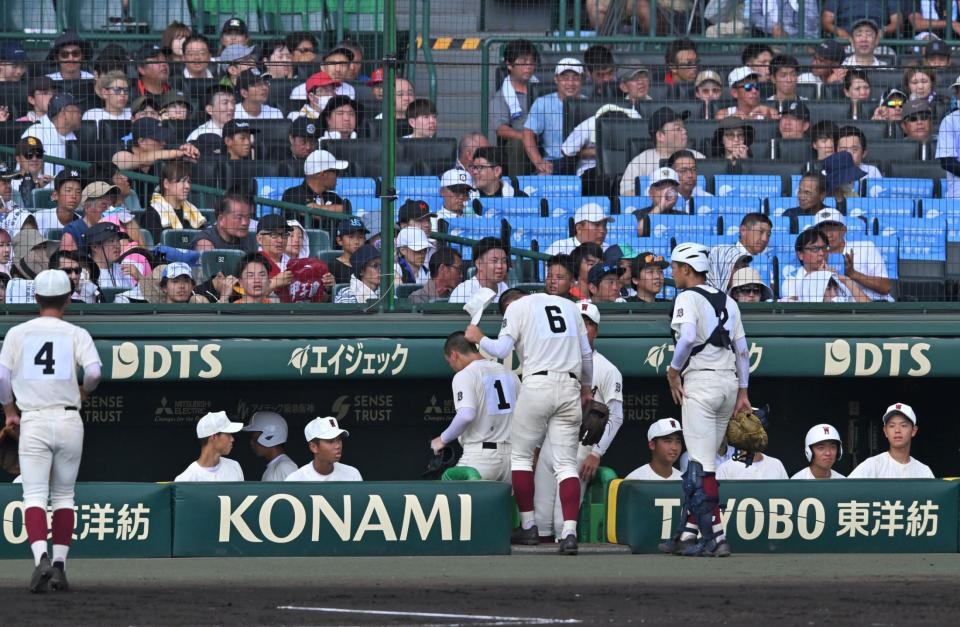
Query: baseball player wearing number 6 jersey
column 708, row 377
column 608, row 389
column 557, row 364
column 39, row 391
column 484, row 394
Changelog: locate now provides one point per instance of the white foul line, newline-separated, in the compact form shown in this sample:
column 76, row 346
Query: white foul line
column 526, row 620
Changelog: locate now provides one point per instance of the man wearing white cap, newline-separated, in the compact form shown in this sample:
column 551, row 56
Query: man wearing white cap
column 325, row 439
column 456, row 187
column 590, row 225
column 268, row 434
column 665, row 441
column 40, row 395
column 899, row 427
column 177, row 283
column 823, row 448
column 668, row 130
column 320, row 180
column 215, row 432
column 545, row 120
column 412, row 248
column 862, row 261
column 745, row 89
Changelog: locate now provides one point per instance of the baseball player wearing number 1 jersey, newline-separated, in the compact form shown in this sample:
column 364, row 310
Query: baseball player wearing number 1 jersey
column 484, row 393
column 608, row 389
column 39, row 391
column 557, row 364
column 708, row 377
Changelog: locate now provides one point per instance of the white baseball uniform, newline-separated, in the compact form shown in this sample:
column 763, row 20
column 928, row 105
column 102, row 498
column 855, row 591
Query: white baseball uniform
column 225, row 470
column 278, row 468
column 710, row 383
column 42, row 356
column 341, row 472
column 646, row 473
column 608, row 389
column 883, row 466
column 766, row 468
column 806, row 474
column 484, row 394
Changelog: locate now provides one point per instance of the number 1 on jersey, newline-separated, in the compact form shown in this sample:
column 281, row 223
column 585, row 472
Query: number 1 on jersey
column 503, row 403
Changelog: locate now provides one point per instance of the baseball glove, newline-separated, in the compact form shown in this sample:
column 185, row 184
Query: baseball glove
column 745, row 432
column 9, row 449
column 594, row 423
column 446, row 458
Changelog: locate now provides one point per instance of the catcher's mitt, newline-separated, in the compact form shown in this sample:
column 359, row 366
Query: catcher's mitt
column 745, row 432
column 594, row 423
column 446, row 458
column 9, row 449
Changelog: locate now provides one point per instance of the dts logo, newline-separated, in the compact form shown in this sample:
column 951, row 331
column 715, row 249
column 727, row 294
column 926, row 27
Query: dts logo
column 868, row 359
column 153, row 361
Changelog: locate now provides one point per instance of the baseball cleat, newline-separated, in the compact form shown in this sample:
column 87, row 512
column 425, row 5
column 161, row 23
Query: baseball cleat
column 676, row 546
column 41, row 575
column 568, row 546
column 58, row 578
column 526, row 537
column 709, row 548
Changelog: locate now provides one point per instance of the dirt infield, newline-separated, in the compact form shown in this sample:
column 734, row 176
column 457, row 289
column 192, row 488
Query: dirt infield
column 601, row 586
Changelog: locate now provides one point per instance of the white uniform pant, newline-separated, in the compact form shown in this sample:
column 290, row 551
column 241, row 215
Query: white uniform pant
column 546, row 500
column 708, row 401
column 492, row 464
column 51, row 442
column 548, row 405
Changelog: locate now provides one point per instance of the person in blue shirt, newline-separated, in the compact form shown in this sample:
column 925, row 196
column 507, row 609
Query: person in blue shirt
column 545, row 120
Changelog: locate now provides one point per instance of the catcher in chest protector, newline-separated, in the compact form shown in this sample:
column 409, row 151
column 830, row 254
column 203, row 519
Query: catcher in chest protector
column 708, row 378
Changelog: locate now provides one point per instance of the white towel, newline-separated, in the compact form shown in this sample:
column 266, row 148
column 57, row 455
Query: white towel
column 510, row 95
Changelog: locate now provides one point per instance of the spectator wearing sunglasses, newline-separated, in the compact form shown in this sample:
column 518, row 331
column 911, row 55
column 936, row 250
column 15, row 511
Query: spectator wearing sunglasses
column 746, row 286
column 917, row 121
column 113, row 88
column 745, row 89
column 891, row 106
column 69, row 51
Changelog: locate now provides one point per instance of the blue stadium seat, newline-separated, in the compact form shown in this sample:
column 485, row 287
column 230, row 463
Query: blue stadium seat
column 643, row 181
column 631, row 204
column 899, row 188
column 701, row 229
column 361, row 205
column 729, row 205
column 876, row 207
column 511, row 207
column 781, row 225
column 356, row 186
column 921, row 239
column 567, row 205
column 417, row 186
column 559, row 185
column 776, row 206
column 756, row 185
column 933, row 207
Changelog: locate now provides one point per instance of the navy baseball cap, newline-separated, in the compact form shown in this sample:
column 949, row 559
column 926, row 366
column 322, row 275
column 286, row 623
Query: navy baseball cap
column 797, row 110
column 151, row 128
column 60, row 102
column 831, row 50
column 149, row 51
column 67, row 174
column 233, row 127
column 414, row 210
column 601, row 270
column 303, row 127
column 13, row 52
column 363, row 255
column 352, row 224
column 273, row 223
column 102, row 232
column 235, row 25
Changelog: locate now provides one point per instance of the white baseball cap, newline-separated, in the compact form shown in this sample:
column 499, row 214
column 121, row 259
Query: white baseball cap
column 591, row 212
column 590, row 311
column 693, row 254
column 177, row 269
column 822, row 433
column 216, row 422
column 662, row 427
column 829, row 214
column 271, row 426
column 738, row 74
column 454, row 177
column 52, row 283
column 320, row 161
column 661, row 175
column 323, row 429
column 900, row 408
column 568, row 64
column 413, row 238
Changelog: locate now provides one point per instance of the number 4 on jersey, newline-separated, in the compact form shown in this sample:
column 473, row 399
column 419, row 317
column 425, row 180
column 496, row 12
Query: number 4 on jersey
column 44, row 358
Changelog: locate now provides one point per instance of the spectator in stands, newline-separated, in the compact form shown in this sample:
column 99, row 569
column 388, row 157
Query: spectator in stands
column 446, row 272
column 559, row 279
column 900, row 428
column 584, row 257
column 365, row 282
column 865, row 38
column 252, row 285
column 153, row 71
column 142, row 107
column 647, row 271
column 56, row 129
column 422, row 117
column 590, row 226
column 794, row 121
column 238, row 140
column 856, row 87
column 196, row 57
column 69, row 51
column 467, row 146
column 826, row 68
column 103, row 242
column 234, row 59
column 85, row 289
column 375, row 83
column 732, row 140
column 545, row 120
column 302, row 46
column 487, row 173
column 601, row 72
column 233, row 211
column 13, row 61
column 843, row 175
column 724, row 262
column 356, row 64
column 111, row 58
column 302, row 138
column 234, row 32
column 298, row 245
column 129, row 201
column 278, row 61
column 95, row 199
column 663, row 192
column 917, row 121
column 783, row 19
column 747, row 286
column 784, row 70
column 150, row 140
column 169, row 206
column 862, row 261
column 634, row 84
column 320, row 180
column 811, row 192
column 823, row 139
column 339, row 119
column 582, row 143
column 891, row 106
column 175, row 105
column 29, row 155
column 254, row 89
column 920, row 84
column 351, row 235
column 682, row 63
column 811, row 281
column 757, row 57
column 936, row 53
column 841, row 18
column 684, row 163
column 403, row 95
column 948, row 148
column 176, row 284
column 113, row 89
column 221, row 106
column 337, row 63
column 745, row 89
column 40, row 91
column 67, row 186
column 752, row 244
column 510, row 104
column 708, row 87
column 491, row 258
column 456, row 188
column 665, row 441
column 851, row 139
column 272, row 234
column 412, row 248
column 319, row 89
column 669, row 135
column 604, row 283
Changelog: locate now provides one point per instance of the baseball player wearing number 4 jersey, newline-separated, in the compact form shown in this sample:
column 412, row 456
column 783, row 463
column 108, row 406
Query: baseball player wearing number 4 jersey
column 484, row 394
column 557, row 364
column 39, row 391
column 608, row 389
column 708, row 377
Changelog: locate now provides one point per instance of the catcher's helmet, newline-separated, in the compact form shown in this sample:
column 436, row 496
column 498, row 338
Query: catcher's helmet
column 822, row 433
column 272, row 428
